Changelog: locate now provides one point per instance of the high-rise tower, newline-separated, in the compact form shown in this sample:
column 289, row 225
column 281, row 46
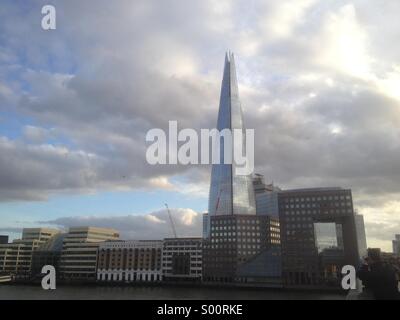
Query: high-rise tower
column 239, row 245
column 230, row 193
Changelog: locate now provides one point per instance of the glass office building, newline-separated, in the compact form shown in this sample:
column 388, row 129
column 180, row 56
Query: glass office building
column 301, row 212
column 266, row 197
column 230, row 193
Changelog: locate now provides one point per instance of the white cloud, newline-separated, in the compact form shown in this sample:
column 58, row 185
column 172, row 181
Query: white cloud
column 343, row 43
column 37, row 134
column 282, row 17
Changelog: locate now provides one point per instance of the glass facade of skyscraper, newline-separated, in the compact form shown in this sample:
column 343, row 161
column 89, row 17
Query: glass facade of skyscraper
column 230, row 193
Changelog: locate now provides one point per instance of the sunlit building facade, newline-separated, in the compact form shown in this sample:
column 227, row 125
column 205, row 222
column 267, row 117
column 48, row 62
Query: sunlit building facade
column 80, row 252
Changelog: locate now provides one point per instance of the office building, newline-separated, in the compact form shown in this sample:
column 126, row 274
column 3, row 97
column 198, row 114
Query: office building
column 206, row 225
column 242, row 248
column 299, row 211
column 361, row 237
column 48, row 253
column 80, row 250
column 230, row 193
column 182, row 259
column 16, row 257
column 396, row 245
column 239, row 246
column 266, row 196
column 130, row 261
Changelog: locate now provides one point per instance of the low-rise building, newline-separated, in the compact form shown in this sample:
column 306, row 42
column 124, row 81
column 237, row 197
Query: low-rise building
column 16, row 257
column 182, row 259
column 48, row 253
column 130, row 261
column 80, row 251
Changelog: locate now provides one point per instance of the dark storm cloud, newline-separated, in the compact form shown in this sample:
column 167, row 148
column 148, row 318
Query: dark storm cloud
column 338, row 137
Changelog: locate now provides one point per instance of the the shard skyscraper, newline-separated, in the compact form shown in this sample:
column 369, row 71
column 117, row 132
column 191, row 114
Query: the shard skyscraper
column 230, row 194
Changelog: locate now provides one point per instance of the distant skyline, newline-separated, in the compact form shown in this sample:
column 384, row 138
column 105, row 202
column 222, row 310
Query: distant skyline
column 318, row 82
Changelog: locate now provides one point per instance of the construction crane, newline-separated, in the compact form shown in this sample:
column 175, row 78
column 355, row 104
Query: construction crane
column 172, row 221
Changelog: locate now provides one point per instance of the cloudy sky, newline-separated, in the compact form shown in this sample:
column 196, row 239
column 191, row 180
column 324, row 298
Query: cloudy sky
column 319, row 83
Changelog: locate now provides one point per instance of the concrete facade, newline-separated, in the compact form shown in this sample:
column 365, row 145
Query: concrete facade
column 130, row 261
